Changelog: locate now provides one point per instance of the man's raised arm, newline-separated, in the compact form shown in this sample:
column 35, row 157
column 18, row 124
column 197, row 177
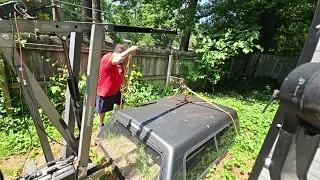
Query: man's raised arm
column 119, row 58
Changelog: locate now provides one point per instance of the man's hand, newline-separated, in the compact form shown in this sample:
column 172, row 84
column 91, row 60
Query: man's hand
column 133, row 49
column 119, row 58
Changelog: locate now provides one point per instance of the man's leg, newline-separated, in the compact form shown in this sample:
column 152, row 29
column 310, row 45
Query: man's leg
column 100, row 109
column 104, row 104
column 101, row 118
column 118, row 100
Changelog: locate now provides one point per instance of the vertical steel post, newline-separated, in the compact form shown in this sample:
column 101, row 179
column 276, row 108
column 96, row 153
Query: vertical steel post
column 97, row 37
column 74, row 56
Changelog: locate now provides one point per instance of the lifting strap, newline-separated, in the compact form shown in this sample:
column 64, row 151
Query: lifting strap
column 128, row 82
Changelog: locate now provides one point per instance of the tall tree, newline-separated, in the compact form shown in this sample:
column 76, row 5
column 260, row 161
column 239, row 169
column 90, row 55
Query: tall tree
column 96, row 13
column 189, row 21
column 86, row 12
column 142, row 13
column 283, row 24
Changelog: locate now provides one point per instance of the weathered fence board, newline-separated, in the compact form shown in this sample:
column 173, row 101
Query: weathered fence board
column 44, row 60
column 261, row 65
column 274, row 66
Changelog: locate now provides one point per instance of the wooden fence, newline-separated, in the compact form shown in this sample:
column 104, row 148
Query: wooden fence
column 262, row 65
column 44, row 56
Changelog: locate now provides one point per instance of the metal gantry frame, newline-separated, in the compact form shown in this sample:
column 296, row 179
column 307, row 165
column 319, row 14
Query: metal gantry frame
column 36, row 97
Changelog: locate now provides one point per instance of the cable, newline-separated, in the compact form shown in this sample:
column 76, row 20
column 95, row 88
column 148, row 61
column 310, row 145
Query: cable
column 76, row 13
column 30, row 96
column 26, row 123
column 33, row 110
column 22, row 111
column 24, row 14
column 80, row 6
column 20, row 48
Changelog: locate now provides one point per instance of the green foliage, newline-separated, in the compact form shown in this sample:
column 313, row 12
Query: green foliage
column 253, row 126
column 143, row 92
column 142, row 161
column 142, row 14
column 197, row 164
column 14, row 128
column 248, row 104
column 212, row 53
column 284, row 24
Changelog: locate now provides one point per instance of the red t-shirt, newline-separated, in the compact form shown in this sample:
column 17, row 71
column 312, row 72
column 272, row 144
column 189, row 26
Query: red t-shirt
column 110, row 76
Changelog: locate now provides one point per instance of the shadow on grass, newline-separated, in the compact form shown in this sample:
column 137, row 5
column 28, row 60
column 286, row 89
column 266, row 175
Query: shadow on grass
column 249, row 90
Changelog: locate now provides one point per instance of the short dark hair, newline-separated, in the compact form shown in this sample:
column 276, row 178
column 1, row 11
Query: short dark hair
column 119, row 48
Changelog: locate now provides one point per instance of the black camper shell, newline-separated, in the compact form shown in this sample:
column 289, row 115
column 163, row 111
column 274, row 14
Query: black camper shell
column 182, row 134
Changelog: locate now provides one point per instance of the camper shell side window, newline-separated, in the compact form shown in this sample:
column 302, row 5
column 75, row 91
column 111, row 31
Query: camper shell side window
column 209, row 153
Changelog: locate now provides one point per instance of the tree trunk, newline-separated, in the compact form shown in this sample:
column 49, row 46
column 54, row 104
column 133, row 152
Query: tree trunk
column 184, row 43
column 85, row 11
column 190, row 23
column 96, row 15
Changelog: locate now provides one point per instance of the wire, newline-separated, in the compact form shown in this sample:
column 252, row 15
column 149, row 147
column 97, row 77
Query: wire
column 80, row 6
column 30, row 96
column 20, row 48
column 43, row 130
column 24, row 14
column 26, row 123
column 76, row 13
column 33, row 110
column 22, row 111
column 21, row 103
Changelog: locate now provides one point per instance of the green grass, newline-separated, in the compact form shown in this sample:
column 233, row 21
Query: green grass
column 253, row 129
column 248, row 100
column 10, row 171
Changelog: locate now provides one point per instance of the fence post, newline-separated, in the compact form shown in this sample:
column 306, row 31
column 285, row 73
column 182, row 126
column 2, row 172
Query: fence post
column 169, row 68
column 230, row 69
column 5, row 88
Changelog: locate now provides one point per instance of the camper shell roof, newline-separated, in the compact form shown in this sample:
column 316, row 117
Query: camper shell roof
column 173, row 127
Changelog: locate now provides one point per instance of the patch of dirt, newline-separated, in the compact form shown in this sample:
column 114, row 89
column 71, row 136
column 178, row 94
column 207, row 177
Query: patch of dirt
column 10, row 167
column 132, row 158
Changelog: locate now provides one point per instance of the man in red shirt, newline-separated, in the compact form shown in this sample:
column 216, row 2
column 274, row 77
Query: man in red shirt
column 111, row 77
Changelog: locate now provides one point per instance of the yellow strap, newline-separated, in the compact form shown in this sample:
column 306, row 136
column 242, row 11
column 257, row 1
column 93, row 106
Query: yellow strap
column 125, row 73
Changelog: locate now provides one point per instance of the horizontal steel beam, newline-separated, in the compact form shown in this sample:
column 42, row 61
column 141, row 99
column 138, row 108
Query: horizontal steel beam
column 50, row 26
column 71, row 26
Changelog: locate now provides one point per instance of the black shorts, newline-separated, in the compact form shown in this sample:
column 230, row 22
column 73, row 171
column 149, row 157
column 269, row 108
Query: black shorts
column 105, row 104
